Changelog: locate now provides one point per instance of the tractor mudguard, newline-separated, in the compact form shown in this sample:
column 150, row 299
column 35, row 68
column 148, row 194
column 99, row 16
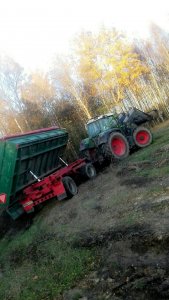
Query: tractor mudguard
column 87, row 144
column 104, row 137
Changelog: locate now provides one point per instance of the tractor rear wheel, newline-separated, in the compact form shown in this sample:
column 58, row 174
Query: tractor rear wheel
column 70, row 186
column 118, row 145
column 142, row 137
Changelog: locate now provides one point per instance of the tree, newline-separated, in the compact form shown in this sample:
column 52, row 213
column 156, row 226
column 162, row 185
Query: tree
column 11, row 79
column 108, row 65
column 65, row 74
column 38, row 96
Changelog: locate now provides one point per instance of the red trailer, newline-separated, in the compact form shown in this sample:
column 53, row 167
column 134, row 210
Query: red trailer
column 59, row 185
column 32, row 171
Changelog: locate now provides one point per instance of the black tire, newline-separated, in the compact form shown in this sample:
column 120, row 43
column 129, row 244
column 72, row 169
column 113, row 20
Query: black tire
column 142, row 137
column 118, row 145
column 70, row 186
column 106, row 151
column 89, row 171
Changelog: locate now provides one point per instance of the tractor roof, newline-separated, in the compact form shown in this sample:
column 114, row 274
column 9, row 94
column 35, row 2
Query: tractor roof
column 99, row 117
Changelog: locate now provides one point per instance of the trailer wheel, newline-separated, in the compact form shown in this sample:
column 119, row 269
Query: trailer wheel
column 70, row 186
column 89, row 171
column 142, row 137
column 118, row 145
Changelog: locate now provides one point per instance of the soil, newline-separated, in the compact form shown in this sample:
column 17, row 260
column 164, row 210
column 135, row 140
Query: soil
column 134, row 264
column 9, row 227
column 125, row 219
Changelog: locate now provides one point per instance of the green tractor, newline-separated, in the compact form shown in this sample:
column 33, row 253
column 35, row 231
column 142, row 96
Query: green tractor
column 114, row 136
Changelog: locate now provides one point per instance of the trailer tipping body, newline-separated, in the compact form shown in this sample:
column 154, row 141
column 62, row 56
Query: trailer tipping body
column 32, row 172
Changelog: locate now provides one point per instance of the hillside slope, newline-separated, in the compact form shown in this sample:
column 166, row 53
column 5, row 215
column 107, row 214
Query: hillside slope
column 108, row 242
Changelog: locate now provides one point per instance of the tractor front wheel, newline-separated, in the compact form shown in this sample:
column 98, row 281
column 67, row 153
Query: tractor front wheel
column 142, row 137
column 118, row 145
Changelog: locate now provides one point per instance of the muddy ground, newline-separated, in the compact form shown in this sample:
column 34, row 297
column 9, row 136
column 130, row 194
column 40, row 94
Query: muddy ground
column 129, row 224
column 125, row 217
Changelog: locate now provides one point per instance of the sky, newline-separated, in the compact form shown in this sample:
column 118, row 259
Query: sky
column 32, row 32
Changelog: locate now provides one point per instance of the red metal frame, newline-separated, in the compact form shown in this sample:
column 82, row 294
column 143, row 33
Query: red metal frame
column 49, row 187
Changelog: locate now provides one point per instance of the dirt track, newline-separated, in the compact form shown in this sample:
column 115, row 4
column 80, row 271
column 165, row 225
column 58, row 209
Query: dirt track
column 126, row 219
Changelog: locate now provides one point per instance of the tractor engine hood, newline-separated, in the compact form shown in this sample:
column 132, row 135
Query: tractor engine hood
column 87, row 144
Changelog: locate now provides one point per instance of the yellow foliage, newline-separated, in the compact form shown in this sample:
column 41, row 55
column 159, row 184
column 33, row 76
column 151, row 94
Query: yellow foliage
column 38, row 89
column 107, row 62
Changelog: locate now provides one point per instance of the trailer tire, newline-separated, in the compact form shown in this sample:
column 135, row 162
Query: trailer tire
column 89, row 171
column 118, row 145
column 142, row 137
column 70, row 186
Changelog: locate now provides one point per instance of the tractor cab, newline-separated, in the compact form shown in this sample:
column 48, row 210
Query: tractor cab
column 101, row 124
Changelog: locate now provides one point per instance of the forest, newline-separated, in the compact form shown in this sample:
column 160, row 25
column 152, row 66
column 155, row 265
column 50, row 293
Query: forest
column 104, row 72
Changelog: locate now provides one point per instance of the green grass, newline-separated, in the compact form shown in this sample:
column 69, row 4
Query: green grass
column 157, row 190
column 154, row 172
column 139, row 284
column 130, row 218
column 36, row 265
column 153, row 154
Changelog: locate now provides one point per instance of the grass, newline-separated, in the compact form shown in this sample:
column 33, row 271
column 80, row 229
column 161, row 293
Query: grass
column 153, row 154
column 154, row 172
column 155, row 191
column 139, row 284
column 131, row 218
column 36, row 265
